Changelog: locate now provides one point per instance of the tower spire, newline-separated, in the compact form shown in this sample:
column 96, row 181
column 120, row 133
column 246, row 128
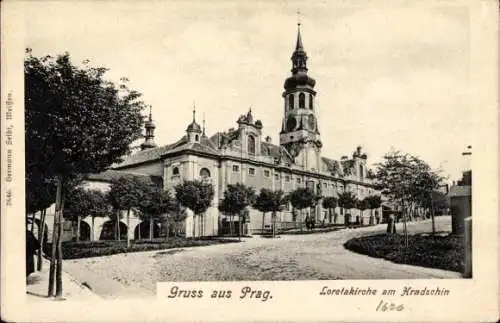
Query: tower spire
column 299, row 56
column 299, row 46
column 194, row 112
column 203, row 131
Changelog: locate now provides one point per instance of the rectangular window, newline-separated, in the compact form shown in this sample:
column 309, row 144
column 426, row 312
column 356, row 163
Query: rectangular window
column 277, row 176
column 251, row 171
column 236, row 168
column 267, row 173
column 287, row 178
column 298, row 180
column 325, row 185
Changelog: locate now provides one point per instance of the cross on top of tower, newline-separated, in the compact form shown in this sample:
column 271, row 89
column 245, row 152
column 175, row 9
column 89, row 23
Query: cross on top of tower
column 194, row 112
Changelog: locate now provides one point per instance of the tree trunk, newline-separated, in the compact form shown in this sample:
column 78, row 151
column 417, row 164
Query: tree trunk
column 59, row 286
column 128, row 226
column 55, row 233
column 405, row 231
column 194, row 223
column 274, row 223
column 118, row 233
column 92, row 234
column 263, row 218
column 150, row 228
column 78, row 220
column 41, row 232
column 432, row 219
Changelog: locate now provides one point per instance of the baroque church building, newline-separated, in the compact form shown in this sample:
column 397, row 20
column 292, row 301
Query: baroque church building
column 242, row 155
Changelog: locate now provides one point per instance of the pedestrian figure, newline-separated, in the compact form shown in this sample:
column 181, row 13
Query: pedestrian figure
column 391, row 225
column 32, row 246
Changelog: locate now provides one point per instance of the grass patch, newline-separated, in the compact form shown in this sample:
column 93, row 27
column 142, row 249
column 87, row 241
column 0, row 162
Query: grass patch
column 443, row 252
column 87, row 249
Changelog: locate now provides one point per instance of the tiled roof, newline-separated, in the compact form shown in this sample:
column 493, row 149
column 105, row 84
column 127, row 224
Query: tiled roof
column 112, row 175
column 147, row 154
column 332, row 166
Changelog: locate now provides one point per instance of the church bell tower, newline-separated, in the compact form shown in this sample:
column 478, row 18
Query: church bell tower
column 300, row 134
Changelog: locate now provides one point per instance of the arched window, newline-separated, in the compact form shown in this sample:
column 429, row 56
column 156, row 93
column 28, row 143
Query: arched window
column 302, row 101
column 251, row 145
column 204, row 173
column 361, row 175
column 311, row 98
column 175, row 171
column 290, row 101
column 196, row 138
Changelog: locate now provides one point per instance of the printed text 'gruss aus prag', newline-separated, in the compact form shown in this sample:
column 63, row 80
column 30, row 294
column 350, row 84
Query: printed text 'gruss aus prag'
column 245, row 292
column 406, row 291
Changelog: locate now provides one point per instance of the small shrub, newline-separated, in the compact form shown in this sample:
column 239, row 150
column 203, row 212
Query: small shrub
column 87, row 249
column 443, row 252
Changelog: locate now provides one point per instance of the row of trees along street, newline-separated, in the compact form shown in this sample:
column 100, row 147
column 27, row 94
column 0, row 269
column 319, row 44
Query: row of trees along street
column 77, row 122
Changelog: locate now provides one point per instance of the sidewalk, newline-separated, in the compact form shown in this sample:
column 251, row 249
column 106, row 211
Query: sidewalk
column 38, row 283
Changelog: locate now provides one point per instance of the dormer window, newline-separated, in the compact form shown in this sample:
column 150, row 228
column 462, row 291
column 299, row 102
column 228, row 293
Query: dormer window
column 302, row 101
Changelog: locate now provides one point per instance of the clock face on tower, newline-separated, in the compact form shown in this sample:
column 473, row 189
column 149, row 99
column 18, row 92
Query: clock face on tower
column 291, row 123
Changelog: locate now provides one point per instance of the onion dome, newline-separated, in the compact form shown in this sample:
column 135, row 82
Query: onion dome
column 193, row 126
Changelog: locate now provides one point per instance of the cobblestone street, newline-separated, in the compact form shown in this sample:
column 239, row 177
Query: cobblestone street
column 295, row 257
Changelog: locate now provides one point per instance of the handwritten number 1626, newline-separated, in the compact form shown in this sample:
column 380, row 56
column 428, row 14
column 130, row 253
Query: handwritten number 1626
column 386, row 306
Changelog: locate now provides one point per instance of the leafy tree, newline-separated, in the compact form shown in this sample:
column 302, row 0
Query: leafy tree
column 237, row 197
column 100, row 207
column 126, row 194
column 270, row 201
column 78, row 203
column 75, row 122
column 155, row 206
column 302, row 198
column 330, row 203
column 347, row 200
column 407, row 181
column 195, row 195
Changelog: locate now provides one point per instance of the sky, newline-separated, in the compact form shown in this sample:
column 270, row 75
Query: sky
column 386, row 76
